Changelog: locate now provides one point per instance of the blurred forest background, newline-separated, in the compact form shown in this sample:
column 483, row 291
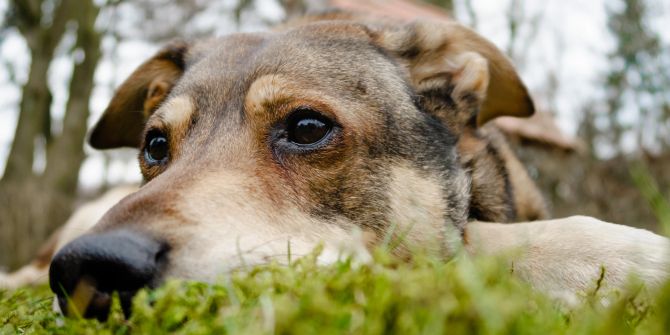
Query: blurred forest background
column 598, row 70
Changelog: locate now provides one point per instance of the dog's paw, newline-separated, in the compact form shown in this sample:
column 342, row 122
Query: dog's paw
column 575, row 255
column 620, row 251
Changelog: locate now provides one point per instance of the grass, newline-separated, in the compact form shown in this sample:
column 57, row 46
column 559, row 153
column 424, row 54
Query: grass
column 428, row 296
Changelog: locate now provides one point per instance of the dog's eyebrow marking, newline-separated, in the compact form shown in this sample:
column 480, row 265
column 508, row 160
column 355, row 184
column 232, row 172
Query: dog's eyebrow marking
column 176, row 114
column 266, row 90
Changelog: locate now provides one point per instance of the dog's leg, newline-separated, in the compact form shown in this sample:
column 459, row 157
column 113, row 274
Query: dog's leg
column 32, row 273
column 570, row 256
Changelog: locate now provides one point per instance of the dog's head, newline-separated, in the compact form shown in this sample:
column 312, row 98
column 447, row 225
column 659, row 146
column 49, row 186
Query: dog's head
column 254, row 146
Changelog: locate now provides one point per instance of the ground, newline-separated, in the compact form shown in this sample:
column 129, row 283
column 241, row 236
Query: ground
column 428, row 296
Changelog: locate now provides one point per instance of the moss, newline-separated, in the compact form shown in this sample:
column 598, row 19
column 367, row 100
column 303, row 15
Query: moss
column 426, row 296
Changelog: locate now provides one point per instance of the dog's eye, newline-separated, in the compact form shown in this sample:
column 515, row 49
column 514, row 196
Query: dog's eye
column 306, row 127
column 156, row 149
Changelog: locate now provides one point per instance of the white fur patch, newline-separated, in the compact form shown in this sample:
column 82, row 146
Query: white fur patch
column 566, row 257
column 418, row 211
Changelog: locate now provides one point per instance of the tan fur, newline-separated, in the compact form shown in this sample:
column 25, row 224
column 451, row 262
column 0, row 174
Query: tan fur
column 266, row 91
column 176, row 114
column 529, row 204
column 416, row 214
column 156, row 93
column 471, row 76
column 441, row 42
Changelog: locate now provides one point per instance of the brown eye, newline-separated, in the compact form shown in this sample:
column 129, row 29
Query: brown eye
column 306, row 127
column 156, row 149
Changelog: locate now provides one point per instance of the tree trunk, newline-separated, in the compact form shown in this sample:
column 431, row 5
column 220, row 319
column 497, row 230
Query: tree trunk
column 35, row 102
column 32, row 206
column 62, row 174
column 36, row 96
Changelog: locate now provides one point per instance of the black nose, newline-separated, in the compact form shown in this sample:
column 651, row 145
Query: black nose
column 86, row 272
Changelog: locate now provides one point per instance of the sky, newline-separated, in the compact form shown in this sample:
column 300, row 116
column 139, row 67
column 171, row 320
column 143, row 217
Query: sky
column 570, row 43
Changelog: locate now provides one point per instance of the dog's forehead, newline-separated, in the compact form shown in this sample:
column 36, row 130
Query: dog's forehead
column 320, row 53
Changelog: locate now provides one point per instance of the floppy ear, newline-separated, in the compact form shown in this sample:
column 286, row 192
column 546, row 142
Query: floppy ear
column 136, row 99
column 451, row 56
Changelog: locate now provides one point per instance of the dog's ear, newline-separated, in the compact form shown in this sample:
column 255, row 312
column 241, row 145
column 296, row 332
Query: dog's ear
column 137, row 98
column 451, row 57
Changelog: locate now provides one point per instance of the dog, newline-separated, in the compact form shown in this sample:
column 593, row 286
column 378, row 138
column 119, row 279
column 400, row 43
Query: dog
column 336, row 130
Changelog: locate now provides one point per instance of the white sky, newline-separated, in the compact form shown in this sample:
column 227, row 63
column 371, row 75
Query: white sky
column 571, row 43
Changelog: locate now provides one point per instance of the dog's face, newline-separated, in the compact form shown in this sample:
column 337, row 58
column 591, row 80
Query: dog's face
column 257, row 146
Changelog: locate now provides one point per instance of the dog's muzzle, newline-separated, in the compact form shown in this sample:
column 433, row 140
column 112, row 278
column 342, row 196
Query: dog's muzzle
column 86, row 272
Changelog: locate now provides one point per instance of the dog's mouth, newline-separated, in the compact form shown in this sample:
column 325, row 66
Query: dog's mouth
column 89, row 271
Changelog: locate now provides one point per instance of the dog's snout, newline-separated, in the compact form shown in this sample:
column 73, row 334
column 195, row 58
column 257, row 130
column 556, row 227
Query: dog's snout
column 86, row 272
